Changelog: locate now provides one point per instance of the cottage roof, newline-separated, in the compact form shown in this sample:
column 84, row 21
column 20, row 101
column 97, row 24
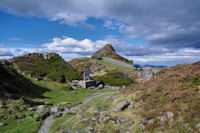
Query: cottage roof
column 88, row 72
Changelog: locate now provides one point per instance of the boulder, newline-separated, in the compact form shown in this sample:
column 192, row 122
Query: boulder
column 89, row 129
column 104, row 118
column 198, row 125
column 84, row 119
column 161, row 119
column 94, row 119
column 120, row 121
column 122, row 106
column 141, row 101
column 170, row 115
column 40, row 109
column 54, row 110
column 1, row 124
column 111, row 122
column 142, row 126
column 131, row 105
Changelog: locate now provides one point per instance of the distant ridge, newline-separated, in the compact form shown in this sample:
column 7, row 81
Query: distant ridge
column 109, row 51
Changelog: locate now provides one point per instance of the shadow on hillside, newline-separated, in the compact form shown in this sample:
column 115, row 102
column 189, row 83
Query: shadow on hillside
column 11, row 82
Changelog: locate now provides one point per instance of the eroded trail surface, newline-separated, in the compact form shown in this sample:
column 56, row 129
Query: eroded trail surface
column 49, row 120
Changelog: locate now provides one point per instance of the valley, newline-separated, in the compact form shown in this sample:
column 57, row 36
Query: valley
column 48, row 99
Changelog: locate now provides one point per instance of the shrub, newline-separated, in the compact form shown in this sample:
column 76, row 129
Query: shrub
column 114, row 79
column 55, row 68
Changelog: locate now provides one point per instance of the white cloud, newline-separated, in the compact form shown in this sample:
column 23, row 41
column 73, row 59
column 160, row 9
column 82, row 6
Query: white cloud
column 71, row 45
column 109, row 24
column 70, row 48
column 169, row 23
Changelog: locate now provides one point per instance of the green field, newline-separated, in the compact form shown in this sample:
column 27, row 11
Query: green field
column 54, row 94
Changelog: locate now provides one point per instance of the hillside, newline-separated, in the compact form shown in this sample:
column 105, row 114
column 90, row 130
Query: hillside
column 106, row 71
column 109, row 51
column 169, row 102
column 15, row 85
column 50, row 66
column 25, row 102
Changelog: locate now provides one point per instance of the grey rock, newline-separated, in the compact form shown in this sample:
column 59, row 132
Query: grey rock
column 89, row 129
column 84, row 119
column 100, row 86
column 198, row 125
column 40, row 109
column 35, row 116
column 141, row 125
column 94, row 119
column 120, row 121
column 161, row 118
column 150, row 121
column 79, row 131
column 54, row 110
column 170, row 115
column 1, row 124
column 96, row 112
column 122, row 106
column 141, row 101
column 131, row 105
column 111, row 98
column 111, row 122
column 105, row 119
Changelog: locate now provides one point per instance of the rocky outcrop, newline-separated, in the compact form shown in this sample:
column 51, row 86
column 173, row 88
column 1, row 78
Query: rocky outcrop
column 109, row 51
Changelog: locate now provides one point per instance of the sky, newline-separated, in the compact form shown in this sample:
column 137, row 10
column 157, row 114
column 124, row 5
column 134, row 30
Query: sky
column 154, row 32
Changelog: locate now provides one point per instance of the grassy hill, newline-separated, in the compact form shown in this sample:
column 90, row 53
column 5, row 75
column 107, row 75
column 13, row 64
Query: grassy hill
column 110, row 73
column 109, row 51
column 169, row 102
column 21, row 95
column 50, row 66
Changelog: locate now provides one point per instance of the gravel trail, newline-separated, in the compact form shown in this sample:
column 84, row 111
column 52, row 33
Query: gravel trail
column 49, row 120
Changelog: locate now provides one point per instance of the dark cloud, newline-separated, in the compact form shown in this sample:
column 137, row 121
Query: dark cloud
column 169, row 26
column 171, row 23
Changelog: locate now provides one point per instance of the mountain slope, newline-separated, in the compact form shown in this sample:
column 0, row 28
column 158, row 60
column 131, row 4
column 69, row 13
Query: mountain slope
column 169, row 102
column 171, row 99
column 109, row 51
column 50, row 66
column 14, row 83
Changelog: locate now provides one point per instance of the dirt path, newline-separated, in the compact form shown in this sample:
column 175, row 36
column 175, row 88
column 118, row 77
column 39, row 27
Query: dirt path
column 49, row 120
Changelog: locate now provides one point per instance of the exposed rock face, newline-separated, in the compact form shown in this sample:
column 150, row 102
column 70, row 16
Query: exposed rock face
column 109, row 51
column 122, row 106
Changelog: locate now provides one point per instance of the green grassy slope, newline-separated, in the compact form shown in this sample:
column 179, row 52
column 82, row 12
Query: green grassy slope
column 53, row 67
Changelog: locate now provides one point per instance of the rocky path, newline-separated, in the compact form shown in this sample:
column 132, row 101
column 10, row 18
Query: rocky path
column 49, row 120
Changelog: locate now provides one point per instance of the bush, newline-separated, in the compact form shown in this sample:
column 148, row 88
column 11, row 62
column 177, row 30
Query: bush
column 114, row 79
column 55, row 68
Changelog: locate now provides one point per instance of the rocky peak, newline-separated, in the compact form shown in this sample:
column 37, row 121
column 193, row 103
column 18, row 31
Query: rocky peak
column 109, row 51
